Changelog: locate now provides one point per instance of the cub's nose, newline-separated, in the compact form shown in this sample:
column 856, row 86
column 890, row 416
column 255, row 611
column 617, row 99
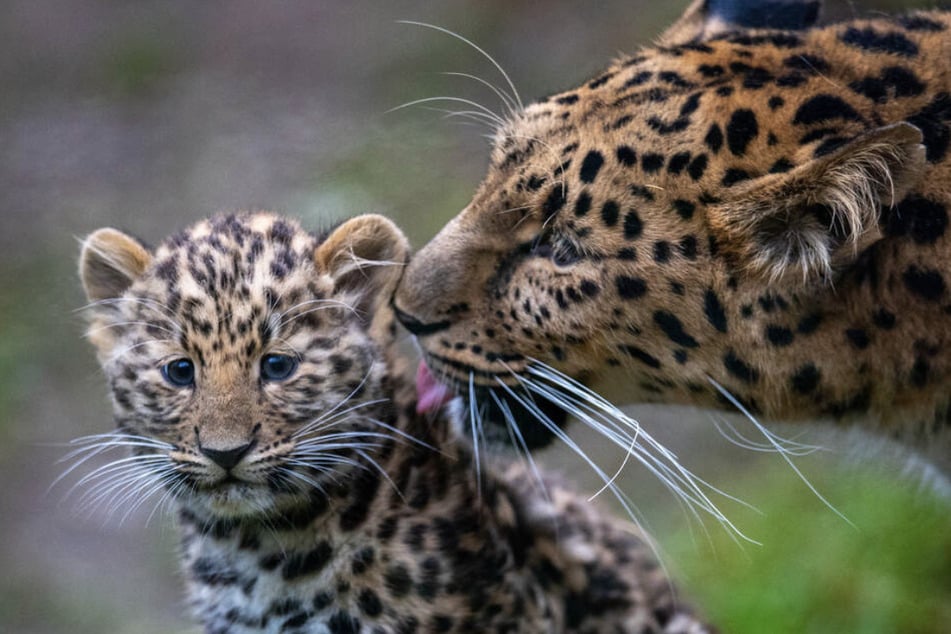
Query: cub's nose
column 227, row 458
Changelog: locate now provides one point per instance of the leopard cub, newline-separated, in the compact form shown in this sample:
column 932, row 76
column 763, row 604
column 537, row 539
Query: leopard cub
column 249, row 368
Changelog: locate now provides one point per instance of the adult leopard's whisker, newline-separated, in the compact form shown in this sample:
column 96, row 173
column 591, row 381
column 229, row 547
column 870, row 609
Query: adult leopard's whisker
column 777, row 445
column 609, row 421
column 514, row 97
column 518, row 442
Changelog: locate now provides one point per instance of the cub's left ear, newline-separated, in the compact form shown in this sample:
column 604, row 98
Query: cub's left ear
column 802, row 225
column 705, row 19
column 364, row 256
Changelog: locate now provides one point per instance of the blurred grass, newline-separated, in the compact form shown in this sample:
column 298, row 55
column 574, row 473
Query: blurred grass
column 137, row 64
column 24, row 346
column 814, row 573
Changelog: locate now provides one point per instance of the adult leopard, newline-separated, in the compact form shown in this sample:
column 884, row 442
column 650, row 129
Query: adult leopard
column 731, row 217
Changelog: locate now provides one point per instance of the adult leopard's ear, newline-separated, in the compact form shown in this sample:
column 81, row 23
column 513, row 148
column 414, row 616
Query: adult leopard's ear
column 705, row 19
column 109, row 262
column 803, row 225
column 365, row 256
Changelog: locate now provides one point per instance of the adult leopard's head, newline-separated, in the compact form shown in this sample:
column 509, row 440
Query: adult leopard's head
column 636, row 225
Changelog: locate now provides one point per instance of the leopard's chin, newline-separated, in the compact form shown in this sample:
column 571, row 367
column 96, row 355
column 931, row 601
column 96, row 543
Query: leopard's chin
column 234, row 499
column 516, row 421
column 505, row 416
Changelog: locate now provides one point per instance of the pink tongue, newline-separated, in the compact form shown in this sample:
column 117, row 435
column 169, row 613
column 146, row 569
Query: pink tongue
column 430, row 393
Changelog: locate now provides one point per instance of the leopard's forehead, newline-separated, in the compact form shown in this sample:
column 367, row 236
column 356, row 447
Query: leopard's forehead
column 232, row 280
column 707, row 117
column 259, row 247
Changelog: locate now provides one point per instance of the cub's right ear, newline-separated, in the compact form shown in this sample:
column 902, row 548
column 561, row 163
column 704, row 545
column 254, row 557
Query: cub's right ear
column 705, row 19
column 365, row 255
column 110, row 262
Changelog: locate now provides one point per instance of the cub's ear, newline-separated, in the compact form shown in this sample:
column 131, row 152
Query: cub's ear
column 802, row 225
column 705, row 19
column 365, row 255
column 109, row 262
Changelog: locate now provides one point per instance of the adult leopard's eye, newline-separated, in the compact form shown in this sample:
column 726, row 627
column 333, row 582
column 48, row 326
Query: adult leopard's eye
column 565, row 253
column 180, row 372
column 277, row 367
column 562, row 253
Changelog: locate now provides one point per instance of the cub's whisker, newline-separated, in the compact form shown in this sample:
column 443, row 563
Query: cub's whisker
column 159, row 485
column 92, row 446
column 115, row 466
column 324, row 416
column 381, row 471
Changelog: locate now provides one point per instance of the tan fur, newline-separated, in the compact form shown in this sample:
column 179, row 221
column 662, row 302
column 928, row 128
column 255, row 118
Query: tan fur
column 876, row 170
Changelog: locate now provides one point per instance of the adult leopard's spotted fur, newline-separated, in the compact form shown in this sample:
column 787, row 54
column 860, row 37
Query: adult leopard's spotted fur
column 247, row 361
column 732, row 216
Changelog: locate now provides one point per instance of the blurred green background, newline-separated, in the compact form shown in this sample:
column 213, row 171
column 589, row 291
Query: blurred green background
column 147, row 114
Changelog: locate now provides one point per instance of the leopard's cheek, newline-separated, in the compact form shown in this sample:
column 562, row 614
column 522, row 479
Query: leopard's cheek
column 551, row 309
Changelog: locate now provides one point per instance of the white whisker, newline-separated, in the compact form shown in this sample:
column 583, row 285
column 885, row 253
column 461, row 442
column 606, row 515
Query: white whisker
column 626, row 503
column 473, row 414
column 609, row 421
column 777, row 445
column 382, row 472
column 286, row 318
column 474, row 116
column 118, row 324
column 510, row 106
column 614, row 478
column 494, row 117
column 518, row 441
column 729, row 431
column 341, row 403
column 514, row 97
column 121, row 353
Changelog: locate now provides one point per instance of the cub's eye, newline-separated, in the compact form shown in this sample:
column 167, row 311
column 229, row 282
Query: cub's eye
column 180, row 372
column 277, row 367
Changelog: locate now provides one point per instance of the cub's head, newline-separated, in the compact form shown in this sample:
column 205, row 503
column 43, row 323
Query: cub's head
column 627, row 221
column 239, row 355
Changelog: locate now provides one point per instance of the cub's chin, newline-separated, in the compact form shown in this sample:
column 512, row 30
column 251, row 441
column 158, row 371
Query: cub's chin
column 236, row 500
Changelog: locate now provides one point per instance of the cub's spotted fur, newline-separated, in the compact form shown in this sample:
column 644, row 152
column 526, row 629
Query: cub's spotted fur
column 246, row 360
column 761, row 210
